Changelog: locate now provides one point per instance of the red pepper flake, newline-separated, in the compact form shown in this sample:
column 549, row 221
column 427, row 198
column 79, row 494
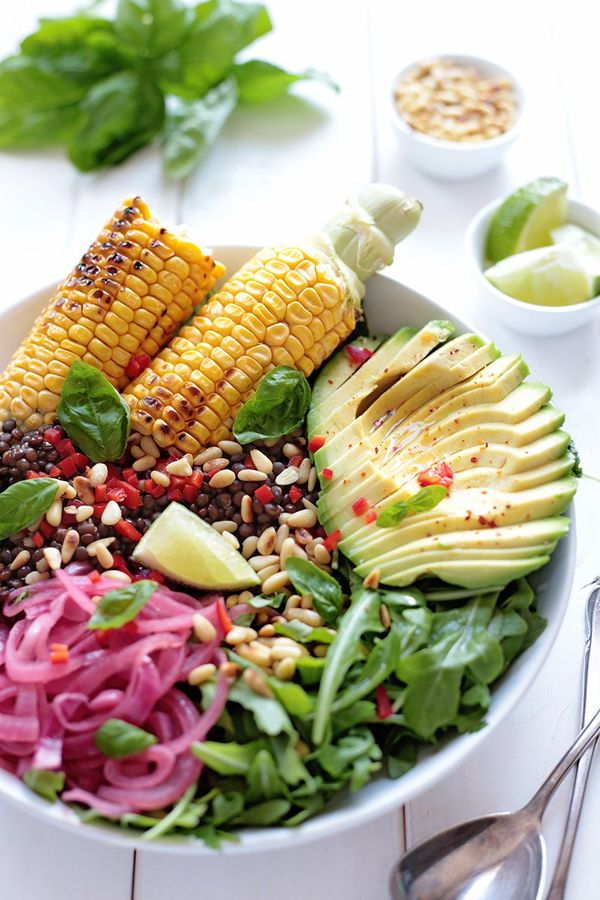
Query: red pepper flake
column 65, row 447
column 384, row 704
column 332, row 540
column 440, row 473
column 316, row 442
column 224, row 620
column 53, row 435
column 360, row 506
column 59, row 653
column 296, row 461
column 474, row 459
column 370, row 517
column 94, row 576
column 294, row 493
column 357, row 355
column 264, row 493
column 137, row 364
column 127, row 530
column 327, row 473
column 38, row 539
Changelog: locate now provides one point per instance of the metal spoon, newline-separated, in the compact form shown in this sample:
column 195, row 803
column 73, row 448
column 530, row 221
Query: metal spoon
column 499, row 857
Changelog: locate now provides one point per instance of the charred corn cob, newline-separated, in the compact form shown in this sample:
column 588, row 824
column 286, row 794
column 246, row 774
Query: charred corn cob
column 126, row 297
column 290, row 305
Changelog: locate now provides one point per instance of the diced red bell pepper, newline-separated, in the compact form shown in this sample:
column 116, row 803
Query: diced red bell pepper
column 127, row 530
column 137, row 364
column 357, row 355
column 120, row 564
column 224, row 620
column 296, row 461
column 327, row 473
column 248, row 462
column 38, row 539
column 116, row 493
column 190, row 492
column 384, row 704
column 129, row 474
column 31, row 474
column 177, row 481
column 46, row 528
column 360, row 506
column 316, row 442
column 153, row 575
column 53, row 435
column 196, row 478
column 54, row 472
column 440, row 473
column 68, row 467
column 174, row 494
column 370, row 517
column 101, row 493
column 264, row 493
column 332, row 540
column 133, row 498
column 80, row 460
column 295, row 494
column 99, row 509
column 65, row 447
column 67, row 519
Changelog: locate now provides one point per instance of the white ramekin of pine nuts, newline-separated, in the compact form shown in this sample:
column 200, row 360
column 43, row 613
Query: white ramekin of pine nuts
column 456, row 115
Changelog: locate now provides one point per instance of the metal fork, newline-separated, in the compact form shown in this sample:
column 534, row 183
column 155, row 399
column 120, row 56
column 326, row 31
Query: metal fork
column 590, row 703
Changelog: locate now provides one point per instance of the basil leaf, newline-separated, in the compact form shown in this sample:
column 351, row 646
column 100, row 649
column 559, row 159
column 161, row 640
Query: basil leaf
column 120, row 606
column 260, row 81
column 307, row 578
column 118, row 116
column 83, row 49
column 278, row 406
column 152, row 27
column 423, row 500
column 45, row 783
column 260, row 601
column 24, row 503
column 191, row 126
column 93, row 413
column 117, row 738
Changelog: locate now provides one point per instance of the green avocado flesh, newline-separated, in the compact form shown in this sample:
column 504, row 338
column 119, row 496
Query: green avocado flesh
column 463, row 403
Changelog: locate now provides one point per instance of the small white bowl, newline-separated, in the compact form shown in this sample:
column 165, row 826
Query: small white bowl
column 529, row 318
column 457, row 160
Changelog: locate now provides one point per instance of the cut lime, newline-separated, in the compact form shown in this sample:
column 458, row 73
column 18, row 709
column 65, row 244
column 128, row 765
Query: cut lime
column 584, row 244
column 525, row 220
column 548, row 276
column 185, row 548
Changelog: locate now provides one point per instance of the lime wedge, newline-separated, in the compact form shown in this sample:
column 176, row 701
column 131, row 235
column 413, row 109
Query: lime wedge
column 584, row 244
column 548, row 276
column 525, row 220
column 185, row 548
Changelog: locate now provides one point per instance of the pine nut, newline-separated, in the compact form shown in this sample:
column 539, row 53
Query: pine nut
column 322, row 554
column 231, row 539
column 214, row 465
column 261, row 461
column 252, row 475
column 255, row 652
column 117, row 575
column 294, row 601
column 240, row 635
column 303, row 537
column 275, row 583
column 144, row 463
column 52, row 557
column 304, row 471
column 384, row 615
column 266, row 573
column 222, row 479
column 104, row 556
column 256, row 683
column 42, row 565
column 20, row 559
column 290, row 450
column 160, row 478
column 372, row 579
column 201, row 674
column 83, row 512
column 306, row 602
column 266, row 541
column 261, row 562
column 283, row 532
column 229, row 669
column 308, row 505
column 149, row 447
column 285, row 651
column 245, row 596
column 180, row 467
column 99, row 474
column 203, row 628
column 231, row 601
column 308, row 616
column 111, row 513
column 266, row 631
column 65, row 490
column 70, row 545
column 54, row 514
column 34, row 577
column 84, row 489
column 225, row 525
column 288, row 548
column 92, row 548
column 305, row 518
column 205, row 455
column 231, row 448
column 270, row 442
column 312, row 479
column 246, row 510
column 249, row 546
column 288, row 476
column 136, row 452
column 285, row 668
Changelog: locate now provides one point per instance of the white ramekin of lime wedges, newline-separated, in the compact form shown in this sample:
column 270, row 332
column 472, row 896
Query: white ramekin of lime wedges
column 536, row 257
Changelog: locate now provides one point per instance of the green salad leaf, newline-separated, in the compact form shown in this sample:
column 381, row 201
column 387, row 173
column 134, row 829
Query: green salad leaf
column 24, row 503
column 116, row 739
column 93, row 413
column 278, row 407
column 122, row 605
column 425, row 499
column 325, row 590
column 45, row 783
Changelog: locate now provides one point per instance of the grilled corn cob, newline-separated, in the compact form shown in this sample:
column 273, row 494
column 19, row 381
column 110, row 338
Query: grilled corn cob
column 126, row 297
column 290, row 305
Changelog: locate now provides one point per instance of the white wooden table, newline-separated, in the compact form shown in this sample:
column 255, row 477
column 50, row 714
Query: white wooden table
column 278, row 172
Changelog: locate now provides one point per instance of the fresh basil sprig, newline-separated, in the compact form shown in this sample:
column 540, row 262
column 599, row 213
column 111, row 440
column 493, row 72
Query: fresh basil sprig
column 120, row 606
column 24, row 503
column 278, row 406
column 45, row 783
column 117, row 738
column 423, row 500
column 93, row 413
column 323, row 588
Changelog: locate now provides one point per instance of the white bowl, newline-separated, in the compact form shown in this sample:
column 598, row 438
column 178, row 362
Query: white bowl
column 529, row 318
column 457, row 160
column 389, row 305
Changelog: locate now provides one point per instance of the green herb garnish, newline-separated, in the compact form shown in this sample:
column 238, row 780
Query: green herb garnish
column 93, row 413
column 117, row 738
column 278, row 406
column 325, row 591
column 45, row 783
column 24, row 503
column 423, row 500
column 120, row 606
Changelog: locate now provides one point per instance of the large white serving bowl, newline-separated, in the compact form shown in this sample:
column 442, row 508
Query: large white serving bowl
column 388, row 305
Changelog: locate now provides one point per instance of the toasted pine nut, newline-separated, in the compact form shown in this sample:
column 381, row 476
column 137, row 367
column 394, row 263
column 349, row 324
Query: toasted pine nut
column 266, row 631
column 231, row 539
column 144, row 463
column 83, row 512
column 34, row 577
column 256, row 683
column 303, row 537
column 290, row 450
column 294, row 601
column 240, row 635
column 180, row 467
column 160, row 478
column 203, row 628
column 322, row 554
column 308, row 505
column 201, row 674
column 65, row 490
column 306, row 602
column 225, row 525
column 246, row 510
column 288, row 476
column 99, row 473
column 117, row 575
column 285, row 651
column 70, row 545
column 308, row 616
column 104, row 556
column 255, row 652
column 384, row 615
column 275, row 583
column 111, row 513
column 252, row 475
column 249, row 546
column 215, row 465
column 261, row 461
column 283, row 532
column 52, row 557
column 266, row 541
column 231, row 448
column 266, row 573
column 136, row 451
column 245, row 596
column 288, row 548
column 320, row 650
column 205, row 455
column 230, row 669
column 231, row 601
column 305, row 518
column 304, row 471
column 20, row 559
column 222, row 479
column 104, row 542
column 285, row 668
column 372, row 579
column 149, row 447
column 261, row 562
column 54, row 514
column 42, row 565
column 312, row 479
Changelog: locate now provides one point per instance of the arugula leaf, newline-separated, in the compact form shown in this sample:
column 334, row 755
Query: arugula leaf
column 278, row 406
column 379, row 664
column 226, row 806
column 45, row 783
column 227, row 758
column 192, row 125
column 304, row 633
column 152, row 27
column 93, row 413
column 24, row 503
column 270, row 715
column 425, row 499
column 263, row 779
column 118, row 116
column 116, row 738
column 325, row 590
column 260, row 81
column 267, row 813
column 120, row 606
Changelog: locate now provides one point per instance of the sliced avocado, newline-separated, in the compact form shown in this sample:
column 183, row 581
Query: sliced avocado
column 481, row 476
column 509, row 459
column 333, row 375
column 468, row 573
